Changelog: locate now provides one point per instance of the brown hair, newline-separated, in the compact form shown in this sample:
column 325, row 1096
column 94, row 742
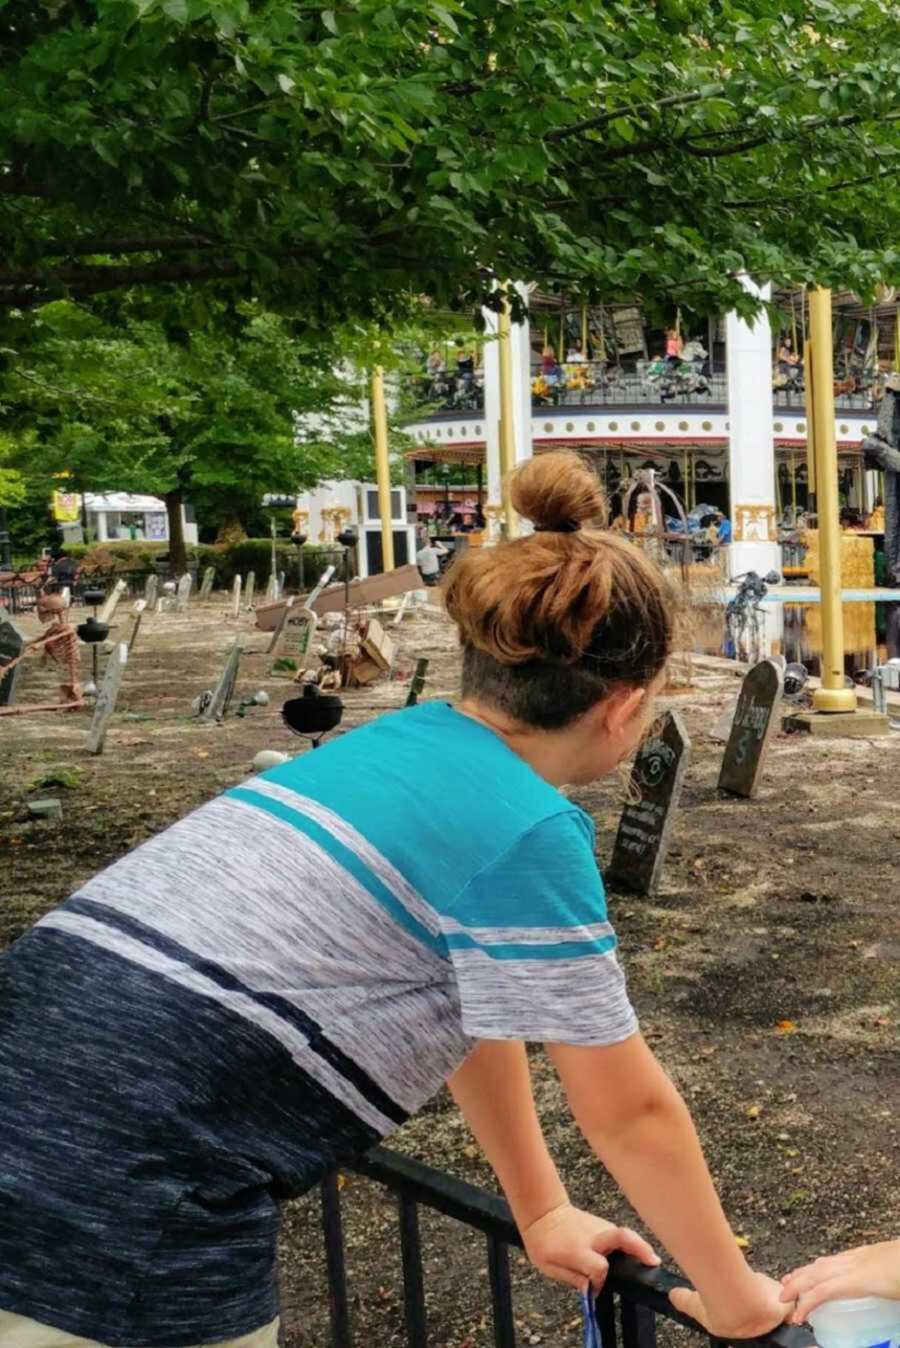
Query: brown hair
column 551, row 622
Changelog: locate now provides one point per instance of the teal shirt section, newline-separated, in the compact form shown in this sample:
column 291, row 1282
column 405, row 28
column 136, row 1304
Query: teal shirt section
column 445, row 799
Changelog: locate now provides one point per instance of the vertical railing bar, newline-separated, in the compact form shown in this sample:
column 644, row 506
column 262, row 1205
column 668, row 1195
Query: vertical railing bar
column 501, row 1293
column 638, row 1325
column 413, row 1281
column 341, row 1335
column 605, row 1313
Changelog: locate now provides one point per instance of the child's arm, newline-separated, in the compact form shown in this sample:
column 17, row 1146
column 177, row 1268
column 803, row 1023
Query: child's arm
column 639, row 1127
column 493, row 1091
column 868, row 1271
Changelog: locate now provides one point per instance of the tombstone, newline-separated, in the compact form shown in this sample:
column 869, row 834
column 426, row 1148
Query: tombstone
column 282, row 623
column 281, row 579
column 151, row 590
column 12, row 645
column 307, row 632
column 272, row 587
column 402, row 607
column 249, row 589
column 138, row 612
column 236, row 598
column 65, row 595
column 755, row 722
column 184, row 592
column 642, row 841
column 417, row 683
column 224, row 690
column 112, row 601
column 160, row 605
column 106, row 699
column 206, row 584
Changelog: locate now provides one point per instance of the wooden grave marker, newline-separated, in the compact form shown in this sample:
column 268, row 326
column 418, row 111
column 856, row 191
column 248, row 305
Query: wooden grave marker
column 111, row 602
column 224, row 689
column 106, row 698
column 755, row 722
column 639, row 852
column 183, row 592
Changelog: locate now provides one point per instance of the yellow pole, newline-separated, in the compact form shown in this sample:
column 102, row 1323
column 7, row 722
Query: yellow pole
column 561, row 352
column 382, row 468
column 832, row 696
column 584, row 343
column 507, row 441
column 794, row 487
column 810, row 420
column 897, row 339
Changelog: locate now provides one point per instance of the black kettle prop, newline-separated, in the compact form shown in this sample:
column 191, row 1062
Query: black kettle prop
column 312, row 714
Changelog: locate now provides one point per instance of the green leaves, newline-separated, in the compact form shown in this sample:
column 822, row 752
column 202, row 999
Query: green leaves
column 334, row 159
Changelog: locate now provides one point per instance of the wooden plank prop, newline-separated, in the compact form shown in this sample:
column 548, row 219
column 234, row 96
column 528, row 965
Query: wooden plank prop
column 642, row 841
column 359, row 594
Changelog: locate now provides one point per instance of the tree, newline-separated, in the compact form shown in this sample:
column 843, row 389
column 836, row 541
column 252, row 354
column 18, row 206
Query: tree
column 337, row 155
column 222, row 414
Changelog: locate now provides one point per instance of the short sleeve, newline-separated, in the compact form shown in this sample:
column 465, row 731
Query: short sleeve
column 533, row 954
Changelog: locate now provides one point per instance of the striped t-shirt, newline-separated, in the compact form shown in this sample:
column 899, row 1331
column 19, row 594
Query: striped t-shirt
column 264, row 990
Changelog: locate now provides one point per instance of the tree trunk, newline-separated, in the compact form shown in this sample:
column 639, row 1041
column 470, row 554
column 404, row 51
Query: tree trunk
column 177, row 550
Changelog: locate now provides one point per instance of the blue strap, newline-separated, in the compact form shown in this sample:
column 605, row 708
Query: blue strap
column 591, row 1328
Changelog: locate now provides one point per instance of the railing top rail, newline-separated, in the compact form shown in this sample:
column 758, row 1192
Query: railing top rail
column 486, row 1212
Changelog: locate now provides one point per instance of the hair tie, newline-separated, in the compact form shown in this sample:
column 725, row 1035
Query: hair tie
column 564, row 527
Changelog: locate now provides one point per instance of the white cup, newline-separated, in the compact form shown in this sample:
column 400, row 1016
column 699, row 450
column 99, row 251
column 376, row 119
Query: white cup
column 864, row 1322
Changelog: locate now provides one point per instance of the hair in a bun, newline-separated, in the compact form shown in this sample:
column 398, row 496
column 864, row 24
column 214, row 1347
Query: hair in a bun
column 551, row 622
column 557, row 490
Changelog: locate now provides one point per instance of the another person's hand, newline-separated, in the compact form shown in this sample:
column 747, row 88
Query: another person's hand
column 571, row 1246
column 757, row 1315
column 867, row 1271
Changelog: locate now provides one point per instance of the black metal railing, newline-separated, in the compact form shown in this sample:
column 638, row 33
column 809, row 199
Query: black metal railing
column 594, row 384
column 627, row 1310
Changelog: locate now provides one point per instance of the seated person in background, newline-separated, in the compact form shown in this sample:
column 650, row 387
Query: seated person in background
column 674, row 346
column 428, row 560
column 867, row 1271
column 723, row 528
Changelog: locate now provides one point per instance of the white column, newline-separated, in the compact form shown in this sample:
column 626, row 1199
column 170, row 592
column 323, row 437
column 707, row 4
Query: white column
column 751, row 443
column 520, row 338
column 102, row 531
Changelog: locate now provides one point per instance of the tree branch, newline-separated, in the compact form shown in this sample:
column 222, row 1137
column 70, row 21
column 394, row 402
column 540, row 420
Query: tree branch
column 112, row 246
column 602, row 118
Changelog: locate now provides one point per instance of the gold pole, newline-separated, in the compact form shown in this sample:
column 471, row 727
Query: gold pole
column 382, row 468
column 897, row 339
column 832, row 696
column 779, row 504
column 507, row 441
column 794, row 486
column 686, row 474
column 561, row 352
column 810, row 422
column 584, row 343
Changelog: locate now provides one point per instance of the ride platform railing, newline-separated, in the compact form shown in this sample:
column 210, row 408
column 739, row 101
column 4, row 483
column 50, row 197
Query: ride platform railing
column 628, row 1310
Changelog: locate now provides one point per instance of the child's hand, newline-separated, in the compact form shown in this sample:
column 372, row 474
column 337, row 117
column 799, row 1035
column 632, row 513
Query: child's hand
column 762, row 1311
column 570, row 1246
column 868, row 1271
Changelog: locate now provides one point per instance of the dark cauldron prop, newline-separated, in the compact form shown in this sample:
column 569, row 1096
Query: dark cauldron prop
column 313, row 714
column 94, row 597
column 92, row 632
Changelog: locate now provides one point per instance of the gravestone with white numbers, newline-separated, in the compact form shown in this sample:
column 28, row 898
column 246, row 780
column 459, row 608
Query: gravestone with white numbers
column 642, row 841
column 755, row 722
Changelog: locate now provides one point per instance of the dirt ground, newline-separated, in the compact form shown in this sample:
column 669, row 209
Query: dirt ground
column 766, row 971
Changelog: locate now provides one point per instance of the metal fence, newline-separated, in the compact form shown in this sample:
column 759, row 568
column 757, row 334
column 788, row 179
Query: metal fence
column 627, row 1311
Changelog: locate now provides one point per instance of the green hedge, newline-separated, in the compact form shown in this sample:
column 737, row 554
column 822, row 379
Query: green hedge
column 252, row 554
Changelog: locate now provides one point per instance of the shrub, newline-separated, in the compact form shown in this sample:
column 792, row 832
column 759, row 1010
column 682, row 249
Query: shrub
column 255, row 554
